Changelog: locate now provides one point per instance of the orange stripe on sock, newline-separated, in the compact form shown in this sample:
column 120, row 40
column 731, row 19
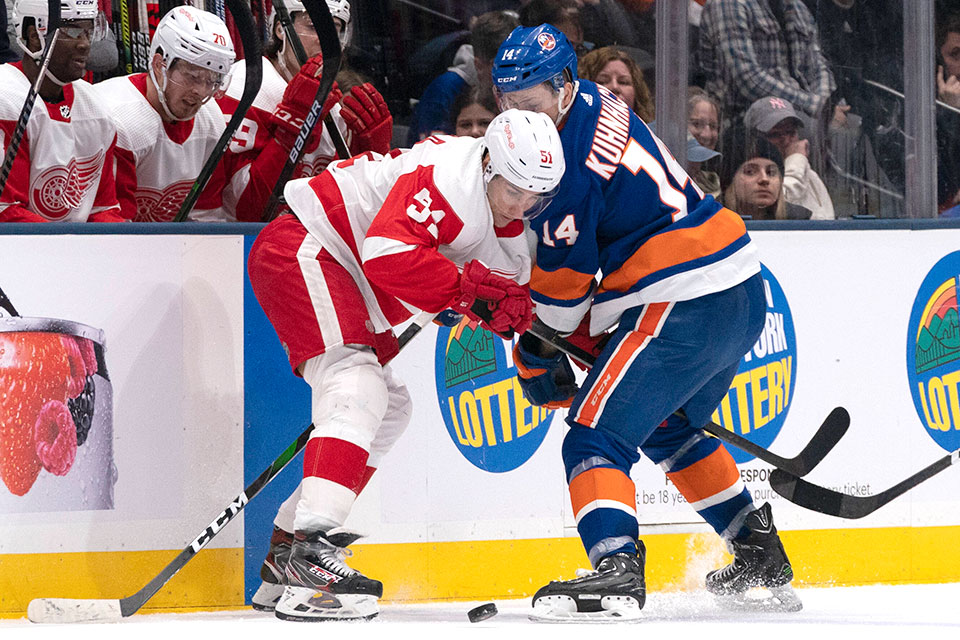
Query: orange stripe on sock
column 602, row 484
column 708, row 477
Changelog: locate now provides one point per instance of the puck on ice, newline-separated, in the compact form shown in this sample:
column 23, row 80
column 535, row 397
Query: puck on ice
column 483, row 612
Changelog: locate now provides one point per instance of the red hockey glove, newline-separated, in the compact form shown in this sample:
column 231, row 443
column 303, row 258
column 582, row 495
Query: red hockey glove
column 509, row 303
column 591, row 344
column 298, row 97
column 366, row 115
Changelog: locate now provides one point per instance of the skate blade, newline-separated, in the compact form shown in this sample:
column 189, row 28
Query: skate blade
column 560, row 608
column 773, row 600
column 266, row 597
column 303, row 604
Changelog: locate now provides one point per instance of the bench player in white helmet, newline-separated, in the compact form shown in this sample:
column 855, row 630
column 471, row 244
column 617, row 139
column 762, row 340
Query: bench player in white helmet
column 63, row 169
column 288, row 91
column 168, row 121
column 336, row 277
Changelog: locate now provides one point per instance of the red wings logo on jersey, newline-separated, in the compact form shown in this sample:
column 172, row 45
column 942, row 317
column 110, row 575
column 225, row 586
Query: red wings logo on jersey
column 309, row 167
column 161, row 206
column 59, row 190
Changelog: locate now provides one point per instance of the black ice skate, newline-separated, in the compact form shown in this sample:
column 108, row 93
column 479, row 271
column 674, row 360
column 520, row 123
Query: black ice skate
column 320, row 585
column 271, row 571
column 614, row 592
column 758, row 561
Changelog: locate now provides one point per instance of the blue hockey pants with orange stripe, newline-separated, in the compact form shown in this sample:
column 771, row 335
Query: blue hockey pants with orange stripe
column 663, row 357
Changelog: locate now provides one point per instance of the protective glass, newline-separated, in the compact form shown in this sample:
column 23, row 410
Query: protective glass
column 515, row 202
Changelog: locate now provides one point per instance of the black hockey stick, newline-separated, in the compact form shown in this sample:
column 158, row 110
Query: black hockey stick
column 7, row 306
column 70, row 610
column 330, row 46
column 825, row 438
column 298, row 51
column 842, row 505
column 251, row 86
column 53, row 31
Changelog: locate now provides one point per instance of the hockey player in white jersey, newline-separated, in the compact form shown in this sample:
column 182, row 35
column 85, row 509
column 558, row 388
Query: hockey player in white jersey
column 169, row 120
column 287, row 93
column 435, row 227
column 63, row 169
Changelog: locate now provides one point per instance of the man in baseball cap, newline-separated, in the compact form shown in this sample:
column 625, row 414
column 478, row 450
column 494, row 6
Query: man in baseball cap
column 777, row 120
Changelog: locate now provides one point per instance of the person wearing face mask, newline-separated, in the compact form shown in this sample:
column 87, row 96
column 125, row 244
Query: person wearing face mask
column 756, row 189
column 435, row 227
column 64, row 167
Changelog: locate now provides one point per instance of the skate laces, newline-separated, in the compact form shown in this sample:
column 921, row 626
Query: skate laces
column 334, row 559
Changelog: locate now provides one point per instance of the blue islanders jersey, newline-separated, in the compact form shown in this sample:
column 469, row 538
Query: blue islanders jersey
column 627, row 210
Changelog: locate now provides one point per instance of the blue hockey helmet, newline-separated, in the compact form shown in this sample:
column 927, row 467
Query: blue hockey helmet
column 534, row 55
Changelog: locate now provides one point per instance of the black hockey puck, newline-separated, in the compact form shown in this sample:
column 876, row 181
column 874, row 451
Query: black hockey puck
column 483, row 612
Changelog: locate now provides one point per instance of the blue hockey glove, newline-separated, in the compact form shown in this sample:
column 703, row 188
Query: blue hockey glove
column 545, row 381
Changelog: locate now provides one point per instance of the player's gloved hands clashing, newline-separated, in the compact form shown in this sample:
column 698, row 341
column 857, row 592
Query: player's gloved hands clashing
column 298, row 97
column 545, row 381
column 366, row 114
column 509, row 303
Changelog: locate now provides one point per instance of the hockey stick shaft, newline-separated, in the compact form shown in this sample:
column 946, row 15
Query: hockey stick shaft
column 69, row 610
column 826, row 436
column 330, row 46
column 7, row 305
column 24, row 119
column 254, row 67
column 300, row 53
column 842, row 505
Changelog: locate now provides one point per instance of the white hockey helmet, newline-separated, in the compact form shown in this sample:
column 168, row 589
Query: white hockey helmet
column 69, row 10
column 340, row 9
column 195, row 36
column 525, row 150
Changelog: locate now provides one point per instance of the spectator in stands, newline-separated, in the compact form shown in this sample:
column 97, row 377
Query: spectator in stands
column 472, row 112
column 471, row 67
column 756, row 189
column 947, row 41
column 703, row 117
column 777, row 121
column 615, row 70
column 562, row 14
column 750, row 49
column 697, row 154
column 607, row 22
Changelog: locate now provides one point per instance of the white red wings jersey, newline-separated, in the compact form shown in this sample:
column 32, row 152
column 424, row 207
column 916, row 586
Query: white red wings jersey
column 256, row 131
column 405, row 224
column 158, row 162
column 64, row 166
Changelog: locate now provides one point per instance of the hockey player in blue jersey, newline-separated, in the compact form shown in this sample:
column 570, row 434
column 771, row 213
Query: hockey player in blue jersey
column 680, row 287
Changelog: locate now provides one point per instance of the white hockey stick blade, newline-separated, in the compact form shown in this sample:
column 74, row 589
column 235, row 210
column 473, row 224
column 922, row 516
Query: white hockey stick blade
column 67, row 610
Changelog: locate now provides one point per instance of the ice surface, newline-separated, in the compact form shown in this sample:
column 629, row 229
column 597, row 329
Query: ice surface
column 928, row 611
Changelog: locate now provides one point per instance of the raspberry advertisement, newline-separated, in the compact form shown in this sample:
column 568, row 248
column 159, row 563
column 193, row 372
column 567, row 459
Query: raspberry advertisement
column 56, row 431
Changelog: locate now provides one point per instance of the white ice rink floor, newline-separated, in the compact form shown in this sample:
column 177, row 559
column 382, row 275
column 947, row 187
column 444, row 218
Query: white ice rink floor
column 906, row 612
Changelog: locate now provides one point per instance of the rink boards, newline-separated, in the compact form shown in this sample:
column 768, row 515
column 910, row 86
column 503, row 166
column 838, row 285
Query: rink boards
column 471, row 504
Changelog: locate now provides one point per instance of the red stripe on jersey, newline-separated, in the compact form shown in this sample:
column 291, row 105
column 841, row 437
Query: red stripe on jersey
column 330, row 197
column 335, row 460
column 676, row 247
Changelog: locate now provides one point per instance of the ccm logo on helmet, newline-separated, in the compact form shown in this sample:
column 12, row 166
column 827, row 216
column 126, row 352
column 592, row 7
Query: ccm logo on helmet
column 546, row 41
column 186, row 14
column 507, row 130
